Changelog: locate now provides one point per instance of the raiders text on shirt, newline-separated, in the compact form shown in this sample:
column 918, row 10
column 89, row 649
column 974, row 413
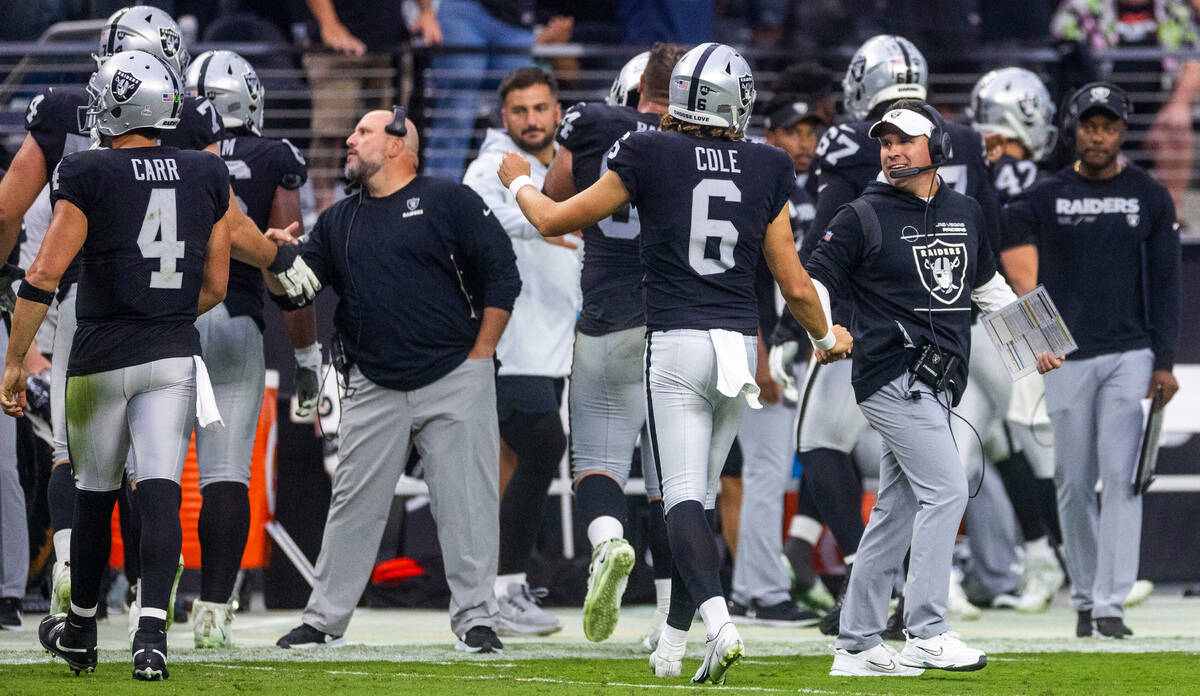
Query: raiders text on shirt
column 1096, row 206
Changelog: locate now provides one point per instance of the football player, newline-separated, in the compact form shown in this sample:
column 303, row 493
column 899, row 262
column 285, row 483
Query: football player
column 266, row 175
column 607, row 399
column 58, row 125
column 149, row 225
column 710, row 204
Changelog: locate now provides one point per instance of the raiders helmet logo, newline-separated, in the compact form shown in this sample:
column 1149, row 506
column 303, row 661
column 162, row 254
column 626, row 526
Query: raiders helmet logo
column 170, row 41
column 252, row 84
column 857, row 68
column 942, row 268
column 124, row 86
column 800, row 108
column 1099, row 94
column 746, row 87
column 1132, row 219
column 1029, row 106
column 413, row 203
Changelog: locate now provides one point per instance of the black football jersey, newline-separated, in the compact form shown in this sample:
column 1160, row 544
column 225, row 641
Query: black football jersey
column 257, row 167
column 199, row 126
column 1011, row 176
column 150, row 213
column 704, row 205
column 611, row 280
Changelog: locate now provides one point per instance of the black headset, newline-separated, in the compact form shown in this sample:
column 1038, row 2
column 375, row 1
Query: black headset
column 1075, row 106
column 941, row 149
column 397, row 127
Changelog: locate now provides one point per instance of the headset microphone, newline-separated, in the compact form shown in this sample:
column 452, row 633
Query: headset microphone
column 913, row 171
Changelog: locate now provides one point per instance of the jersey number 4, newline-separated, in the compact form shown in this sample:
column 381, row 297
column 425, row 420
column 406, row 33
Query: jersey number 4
column 161, row 220
column 711, row 243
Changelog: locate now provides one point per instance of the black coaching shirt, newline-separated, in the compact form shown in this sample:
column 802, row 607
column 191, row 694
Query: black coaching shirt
column 704, row 205
column 1108, row 253
column 911, row 285
column 413, row 272
column 611, row 280
column 257, row 168
column 150, row 212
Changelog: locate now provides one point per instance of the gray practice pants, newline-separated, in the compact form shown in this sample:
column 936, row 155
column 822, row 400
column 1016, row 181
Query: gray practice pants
column 14, row 531
column 1095, row 407
column 765, row 437
column 692, row 424
column 922, row 494
column 994, row 567
column 607, row 406
column 452, row 423
column 144, row 410
column 233, row 353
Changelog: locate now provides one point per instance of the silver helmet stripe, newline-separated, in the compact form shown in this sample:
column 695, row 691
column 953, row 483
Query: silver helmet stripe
column 695, row 86
column 203, row 72
column 112, row 28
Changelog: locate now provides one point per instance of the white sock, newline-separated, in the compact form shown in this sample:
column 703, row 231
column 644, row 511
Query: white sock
column 662, row 595
column 673, row 636
column 715, row 613
column 1039, row 548
column 503, row 581
column 805, row 529
column 80, row 611
column 603, row 528
column 62, row 544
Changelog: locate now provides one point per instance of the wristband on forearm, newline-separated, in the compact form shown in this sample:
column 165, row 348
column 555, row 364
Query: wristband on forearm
column 35, row 294
column 284, row 257
column 826, row 343
column 519, row 183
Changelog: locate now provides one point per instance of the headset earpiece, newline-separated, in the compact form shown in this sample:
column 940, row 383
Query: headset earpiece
column 398, row 127
column 941, row 149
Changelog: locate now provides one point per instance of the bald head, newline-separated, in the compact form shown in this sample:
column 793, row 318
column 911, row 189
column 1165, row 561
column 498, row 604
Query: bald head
column 372, row 148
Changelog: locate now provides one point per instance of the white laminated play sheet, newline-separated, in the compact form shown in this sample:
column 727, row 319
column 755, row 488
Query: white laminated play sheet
column 1025, row 329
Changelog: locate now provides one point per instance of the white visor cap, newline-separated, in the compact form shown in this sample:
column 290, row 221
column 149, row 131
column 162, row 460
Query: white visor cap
column 908, row 121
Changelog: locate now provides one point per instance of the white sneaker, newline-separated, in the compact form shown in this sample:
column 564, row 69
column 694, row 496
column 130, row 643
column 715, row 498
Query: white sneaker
column 721, row 652
column 212, row 624
column 667, row 660
column 943, row 651
column 879, row 661
column 60, row 582
column 1043, row 578
column 520, row 614
column 957, row 604
column 650, row 640
column 1140, row 592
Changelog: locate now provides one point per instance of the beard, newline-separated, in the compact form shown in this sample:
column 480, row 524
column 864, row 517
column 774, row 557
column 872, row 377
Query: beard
column 532, row 145
column 357, row 173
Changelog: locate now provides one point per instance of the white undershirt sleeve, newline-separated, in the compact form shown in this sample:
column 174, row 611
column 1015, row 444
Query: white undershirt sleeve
column 993, row 294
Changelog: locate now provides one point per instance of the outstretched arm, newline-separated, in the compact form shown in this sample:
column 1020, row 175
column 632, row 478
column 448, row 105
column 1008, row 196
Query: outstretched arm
column 553, row 219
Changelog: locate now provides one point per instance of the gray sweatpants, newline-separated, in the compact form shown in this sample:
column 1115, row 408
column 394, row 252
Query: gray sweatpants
column 14, row 531
column 452, row 423
column 765, row 437
column 922, row 494
column 1094, row 405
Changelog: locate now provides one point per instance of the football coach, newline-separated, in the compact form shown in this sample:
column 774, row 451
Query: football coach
column 914, row 255
column 426, row 279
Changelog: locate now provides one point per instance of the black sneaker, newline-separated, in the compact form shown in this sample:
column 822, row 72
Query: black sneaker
column 1112, row 627
column 305, row 636
column 895, row 625
column 784, row 613
column 10, row 614
column 479, row 639
column 77, row 647
column 737, row 609
column 150, row 656
column 1083, row 624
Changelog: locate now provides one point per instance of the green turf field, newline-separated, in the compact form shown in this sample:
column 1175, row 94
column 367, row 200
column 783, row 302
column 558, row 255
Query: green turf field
column 1009, row 673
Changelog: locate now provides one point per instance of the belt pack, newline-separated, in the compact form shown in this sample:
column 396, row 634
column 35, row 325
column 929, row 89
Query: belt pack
column 937, row 371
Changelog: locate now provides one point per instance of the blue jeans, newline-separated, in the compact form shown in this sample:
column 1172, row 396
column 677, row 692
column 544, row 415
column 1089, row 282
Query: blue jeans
column 466, row 23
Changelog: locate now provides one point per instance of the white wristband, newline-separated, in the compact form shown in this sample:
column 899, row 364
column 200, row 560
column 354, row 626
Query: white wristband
column 826, row 343
column 309, row 357
column 518, row 183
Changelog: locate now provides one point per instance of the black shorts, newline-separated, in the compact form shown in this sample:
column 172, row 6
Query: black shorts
column 529, row 395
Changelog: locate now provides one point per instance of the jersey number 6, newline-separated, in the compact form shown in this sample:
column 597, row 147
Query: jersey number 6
column 705, row 230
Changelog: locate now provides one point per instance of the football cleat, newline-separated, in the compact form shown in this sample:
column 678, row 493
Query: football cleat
column 77, row 647
column 943, row 651
column 721, row 652
column 607, row 577
column 650, row 640
column 667, row 659
column 212, row 624
column 150, row 656
column 60, row 584
column 879, row 661
column 1140, row 592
